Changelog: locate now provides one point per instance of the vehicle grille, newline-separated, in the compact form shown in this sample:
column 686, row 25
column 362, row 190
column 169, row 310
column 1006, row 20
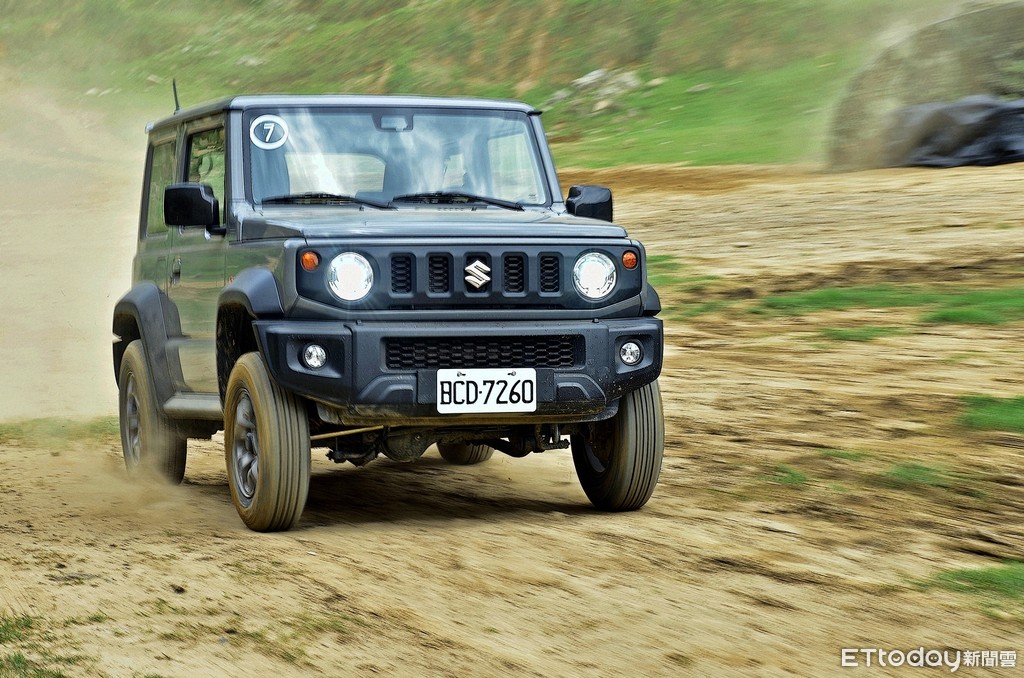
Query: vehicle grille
column 550, row 279
column 514, row 279
column 410, row 353
column 515, row 273
column 401, row 274
column 439, row 273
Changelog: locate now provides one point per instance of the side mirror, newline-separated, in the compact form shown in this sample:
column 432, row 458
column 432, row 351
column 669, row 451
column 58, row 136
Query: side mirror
column 594, row 202
column 191, row 205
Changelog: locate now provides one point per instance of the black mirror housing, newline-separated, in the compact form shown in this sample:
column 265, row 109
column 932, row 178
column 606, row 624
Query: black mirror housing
column 191, row 205
column 594, row 202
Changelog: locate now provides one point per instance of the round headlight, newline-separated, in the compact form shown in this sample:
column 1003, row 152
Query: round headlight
column 350, row 276
column 594, row 275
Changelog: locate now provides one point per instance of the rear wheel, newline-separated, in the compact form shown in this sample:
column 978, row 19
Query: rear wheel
column 149, row 440
column 266, row 441
column 464, row 454
column 618, row 460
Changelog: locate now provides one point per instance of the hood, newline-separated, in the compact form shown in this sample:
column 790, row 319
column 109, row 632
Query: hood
column 423, row 222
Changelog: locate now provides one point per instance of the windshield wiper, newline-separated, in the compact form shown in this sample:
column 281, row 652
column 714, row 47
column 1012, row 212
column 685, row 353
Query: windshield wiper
column 438, row 197
column 319, row 198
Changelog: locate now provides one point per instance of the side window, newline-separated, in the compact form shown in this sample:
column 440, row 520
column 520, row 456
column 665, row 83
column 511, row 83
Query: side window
column 206, row 161
column 161, row 175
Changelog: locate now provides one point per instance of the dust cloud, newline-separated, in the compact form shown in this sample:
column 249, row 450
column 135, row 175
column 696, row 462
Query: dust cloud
column 70, row 196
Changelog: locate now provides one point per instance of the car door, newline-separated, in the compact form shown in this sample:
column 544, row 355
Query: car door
column 196, row 267
column 154, row 235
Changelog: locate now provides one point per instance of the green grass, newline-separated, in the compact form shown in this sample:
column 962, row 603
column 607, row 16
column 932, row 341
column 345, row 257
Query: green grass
column 36, row 431
column 727, row 123
column 994, row 414
column 787, row 475
column 866, row 333
column 981, row 307
column 767, row 71
column 999, row 588
column 14, row 629
column 17, row 632
column 670, row 277
column 17, row 665
column 1002, row 581
column 988, row 306
column 843, row 298
column 908, row 476
column 848, row 455
column 663, row 270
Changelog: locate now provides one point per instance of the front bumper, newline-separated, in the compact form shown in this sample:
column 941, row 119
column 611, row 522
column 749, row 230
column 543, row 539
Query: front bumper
column 385, row 372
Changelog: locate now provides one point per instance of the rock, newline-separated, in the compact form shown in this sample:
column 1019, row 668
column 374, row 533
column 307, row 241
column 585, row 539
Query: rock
column 251, row 61
column 558, row 97
column 619, row 84
column 605, row 106
column 155, row 79
column 590, row 80
column 702, row 87
column 657, row 82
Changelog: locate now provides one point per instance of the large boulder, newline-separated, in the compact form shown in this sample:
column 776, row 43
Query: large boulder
column 979, row 52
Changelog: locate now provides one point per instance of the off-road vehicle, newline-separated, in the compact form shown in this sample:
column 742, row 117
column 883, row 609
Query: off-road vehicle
column 374, row 275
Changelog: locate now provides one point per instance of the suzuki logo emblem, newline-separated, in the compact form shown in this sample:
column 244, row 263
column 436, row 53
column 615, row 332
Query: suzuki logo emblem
column 476, row 274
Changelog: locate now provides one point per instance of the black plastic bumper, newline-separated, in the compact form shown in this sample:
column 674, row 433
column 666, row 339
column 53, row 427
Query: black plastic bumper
column 379, row 372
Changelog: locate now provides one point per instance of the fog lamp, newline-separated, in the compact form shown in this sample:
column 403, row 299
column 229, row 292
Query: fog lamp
column 314, row 356
column 630, row 353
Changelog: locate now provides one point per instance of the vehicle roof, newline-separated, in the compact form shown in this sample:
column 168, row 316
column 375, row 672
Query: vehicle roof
column 312, row 100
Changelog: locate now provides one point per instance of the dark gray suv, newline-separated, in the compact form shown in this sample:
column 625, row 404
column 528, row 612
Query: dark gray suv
column 374, row 275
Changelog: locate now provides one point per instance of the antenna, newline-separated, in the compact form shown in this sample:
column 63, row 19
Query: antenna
column 174, row 88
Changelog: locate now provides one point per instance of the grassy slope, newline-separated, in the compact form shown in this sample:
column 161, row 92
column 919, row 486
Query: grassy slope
column 773, row 66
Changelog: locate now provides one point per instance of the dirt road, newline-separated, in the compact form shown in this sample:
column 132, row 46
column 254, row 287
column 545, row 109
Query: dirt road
column 763, row 552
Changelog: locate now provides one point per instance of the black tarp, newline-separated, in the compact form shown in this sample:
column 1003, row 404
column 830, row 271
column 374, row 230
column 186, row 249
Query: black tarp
column 976, row 130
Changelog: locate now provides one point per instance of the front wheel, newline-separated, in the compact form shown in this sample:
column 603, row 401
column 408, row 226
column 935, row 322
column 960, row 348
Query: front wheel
column 618, row 460
column 266, row 445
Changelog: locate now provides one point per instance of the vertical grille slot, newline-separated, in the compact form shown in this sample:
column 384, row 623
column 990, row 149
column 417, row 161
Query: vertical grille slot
column 515, row 273
column 439, row 273
column 550, row 273
column 401, row 274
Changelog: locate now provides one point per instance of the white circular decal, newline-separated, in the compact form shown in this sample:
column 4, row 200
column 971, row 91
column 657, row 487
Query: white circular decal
column 268, row 132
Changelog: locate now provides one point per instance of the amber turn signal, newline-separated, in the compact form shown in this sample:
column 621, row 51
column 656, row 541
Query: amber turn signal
column 309, row 261
column 629, row 259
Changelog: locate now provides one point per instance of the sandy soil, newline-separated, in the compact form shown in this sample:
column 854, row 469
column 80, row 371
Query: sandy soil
column 503, row 568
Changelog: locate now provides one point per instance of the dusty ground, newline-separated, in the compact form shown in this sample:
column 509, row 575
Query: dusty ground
column 503, row 568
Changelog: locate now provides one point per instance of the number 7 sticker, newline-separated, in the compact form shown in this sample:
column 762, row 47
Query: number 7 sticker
column 268, row 132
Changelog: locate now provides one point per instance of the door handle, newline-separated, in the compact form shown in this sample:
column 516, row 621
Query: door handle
column 176, row 271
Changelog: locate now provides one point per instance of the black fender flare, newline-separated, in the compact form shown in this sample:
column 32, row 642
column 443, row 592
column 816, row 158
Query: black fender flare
column 152, row 314
column 256, row 290
column 650, row 301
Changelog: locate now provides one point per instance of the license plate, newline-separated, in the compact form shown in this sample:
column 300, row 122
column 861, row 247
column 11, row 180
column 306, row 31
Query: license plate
column 486, row 390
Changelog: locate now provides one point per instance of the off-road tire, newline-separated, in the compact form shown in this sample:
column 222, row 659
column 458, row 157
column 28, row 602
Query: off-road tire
column 464, row 454
column 266, row 427
column 618, row 460
column 149, row 441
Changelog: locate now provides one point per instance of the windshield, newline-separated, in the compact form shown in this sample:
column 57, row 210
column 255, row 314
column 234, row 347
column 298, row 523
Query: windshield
column 373, row 155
